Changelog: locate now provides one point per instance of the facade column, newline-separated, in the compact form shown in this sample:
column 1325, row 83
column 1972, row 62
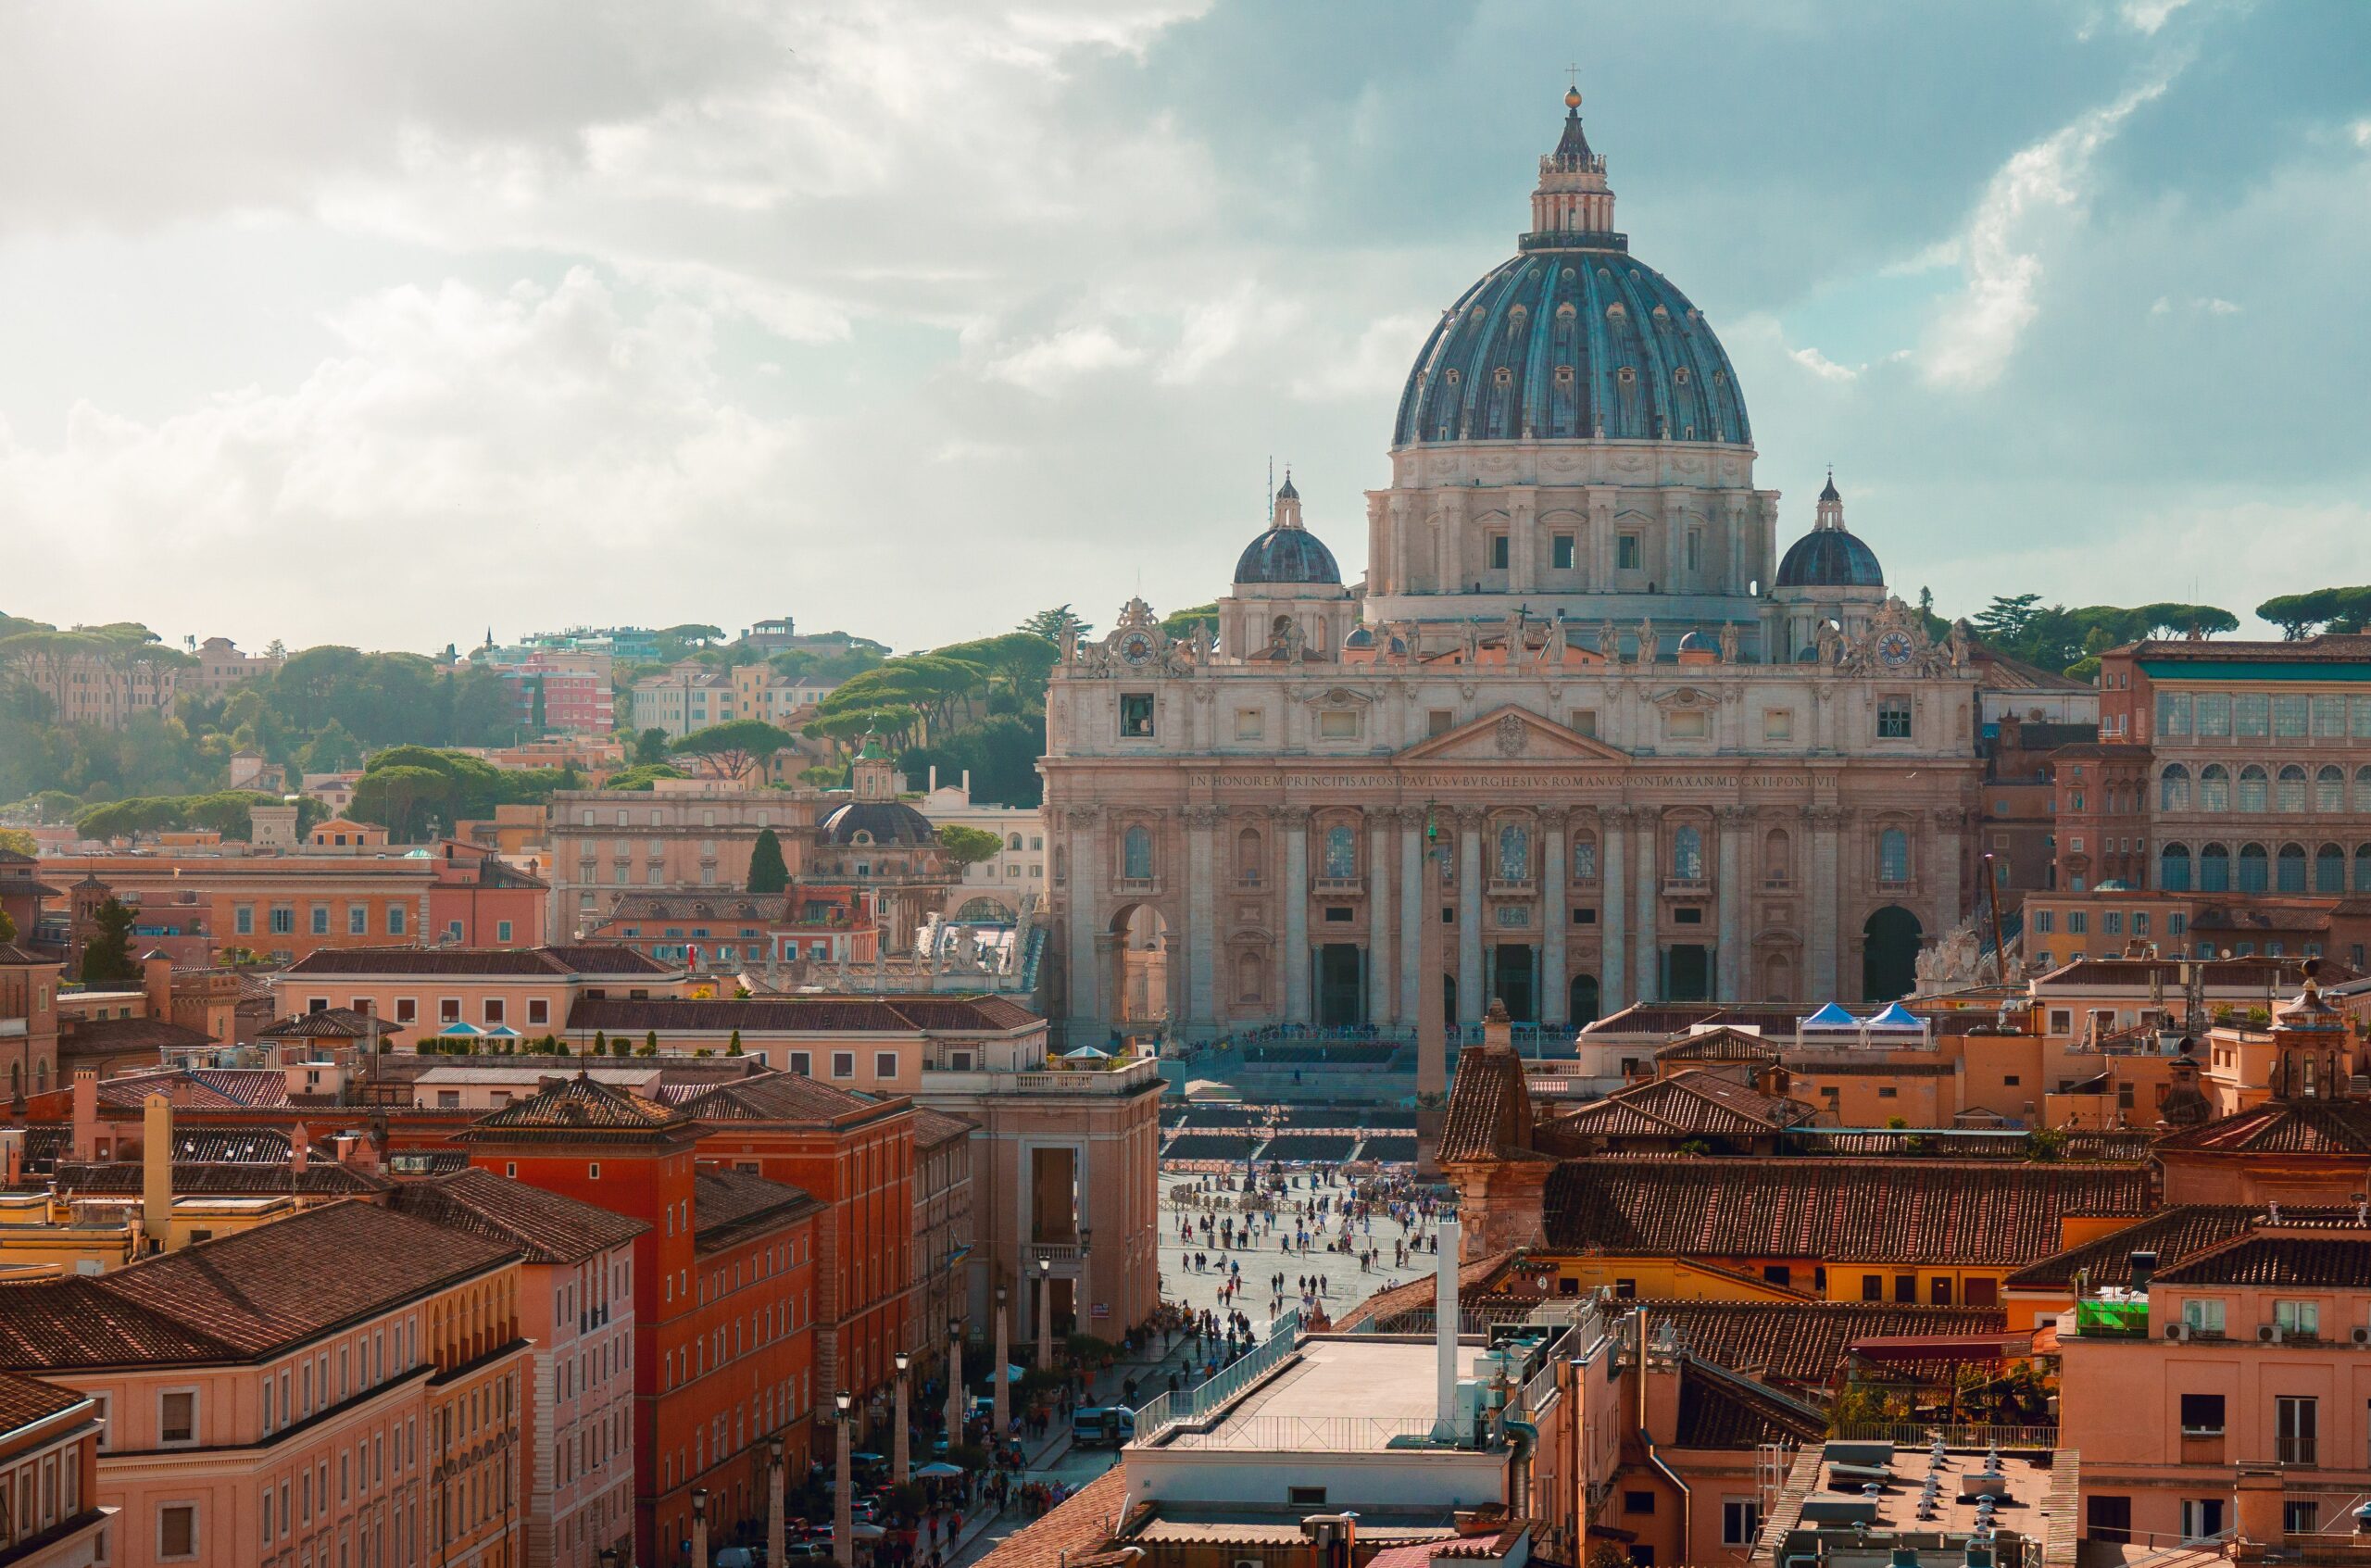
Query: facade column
column 1111, row 982
column 1469, row 915
column 1555, row 1004
column 1614, row 905
column 1820, row 982
column 1086, row 902
column 1945, row 846
column 1380, row 847
column 1416, row 906
column 1523, row 575
column 1646, row 880
column 1201, row 920
column 1295, row 820
column 1731, row 986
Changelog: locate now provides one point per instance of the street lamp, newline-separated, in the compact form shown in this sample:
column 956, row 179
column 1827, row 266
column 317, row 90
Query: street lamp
column 699, row 1527
column 954, row 1384
column 1045, row 1313
column 608, row 1557
column 774, row 1482
column 899, row 1462
column 843, row 1500
column 1000, row 1377
column 1083, row 1293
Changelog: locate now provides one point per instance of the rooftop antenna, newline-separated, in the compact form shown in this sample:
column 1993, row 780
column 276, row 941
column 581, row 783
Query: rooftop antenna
column 1268, row 507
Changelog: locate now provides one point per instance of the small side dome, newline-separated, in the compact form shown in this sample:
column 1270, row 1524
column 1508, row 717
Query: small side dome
column 1287, row 555
column 1809, row 656
column 1697, row 641
column 1359, row 638
column 1830, row 557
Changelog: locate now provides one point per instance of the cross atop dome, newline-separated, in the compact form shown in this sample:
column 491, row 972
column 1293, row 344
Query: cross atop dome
column 1571, row 198
column 1830, row 513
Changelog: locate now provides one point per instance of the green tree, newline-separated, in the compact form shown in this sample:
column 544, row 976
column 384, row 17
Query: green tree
column 650, row 745
column 332, row 751
column 19, row 840
column 735, row 748
column 968, row 846
column 1049, row 623
column 768, row 874
column 107, row 956
column 641, row 776
column 1180, row 624
column 7, row 927
column 2002, row 623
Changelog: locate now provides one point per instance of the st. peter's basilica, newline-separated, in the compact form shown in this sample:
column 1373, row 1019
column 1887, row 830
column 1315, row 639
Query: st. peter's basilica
column 1581, row 711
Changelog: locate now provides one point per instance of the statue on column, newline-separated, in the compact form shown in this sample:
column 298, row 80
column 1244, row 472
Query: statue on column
column 1609, row 642
column 1648, row 649
column 1729, row 642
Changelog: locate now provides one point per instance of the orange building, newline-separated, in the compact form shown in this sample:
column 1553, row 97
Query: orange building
column 723, row 1295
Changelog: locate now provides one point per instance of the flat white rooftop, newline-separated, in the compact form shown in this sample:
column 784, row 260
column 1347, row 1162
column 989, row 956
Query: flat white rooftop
column 1342, row 1396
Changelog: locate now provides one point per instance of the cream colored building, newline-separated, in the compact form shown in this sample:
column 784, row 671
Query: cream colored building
column 1582, row 715
column 996, row 888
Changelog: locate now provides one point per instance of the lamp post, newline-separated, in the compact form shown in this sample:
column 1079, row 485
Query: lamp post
column 699, row 1527
column 998, row 1378
column 608, row 1557
column 899, row 1471
column 954, row 1384
column 774, row 1479
column 1080, row 1311
column 1045, row 1313
column 842, row 1500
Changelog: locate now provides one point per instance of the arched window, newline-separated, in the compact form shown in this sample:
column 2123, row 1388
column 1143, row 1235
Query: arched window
column 1248, row 972
column 2330, row 868
column 2256, row 788
column 2173, row 868
column 1585, row 859
column 2173, row 788
column 2255, row 868
column 1246, row 857
column 2363, row 789
column 2215, row 787
column 1135, row 854
column 2291, row 868
column 1893, row 856
column 2363, row 868
column 2215, row 869
column 1341, row 853
column 2290, row 795
column 2330, row 790
column 1514, row 853
column 1777, row 859
column 1012, row 841
column 1688, row 854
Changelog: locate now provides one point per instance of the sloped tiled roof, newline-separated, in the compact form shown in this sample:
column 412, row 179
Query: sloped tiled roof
column 106, row 1036
column 579, row 1106
column 1082, row 1523
column 1418, row 1295
column 774, row 1097
column 1723, row 1408
column 544, row 1227
column 1490, row 1109
column 2304, row 1263
column 801, row 1015
column 242, row 1297
column 1701, row 1102
column 1896, row 1210
column 731, row 1206
column 2173, row 1234
column 526, row 962
column 1721, row 1045
column 223, row 1178
column 934, row 1127
column 24, row 1400
column 1801, row 1344
column 2338, row 1128
column 327, row 1024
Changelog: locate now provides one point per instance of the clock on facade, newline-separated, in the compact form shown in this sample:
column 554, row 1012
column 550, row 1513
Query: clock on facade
column 1136, row 647
column 1894, row 649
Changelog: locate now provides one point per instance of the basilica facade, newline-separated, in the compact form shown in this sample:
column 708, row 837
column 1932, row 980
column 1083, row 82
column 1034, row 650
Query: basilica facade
column 1580, row 716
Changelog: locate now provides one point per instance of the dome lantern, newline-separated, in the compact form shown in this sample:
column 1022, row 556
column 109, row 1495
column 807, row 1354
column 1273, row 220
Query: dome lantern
column 1571, row 198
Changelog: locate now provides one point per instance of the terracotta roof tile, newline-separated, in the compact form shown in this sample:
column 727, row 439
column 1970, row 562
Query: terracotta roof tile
column 2172, row 1234
column 25, row 1400
column 2338, row 1128
column 77, row 1321
column 1702, row 1102
column 1084, row 1522
column 2304, row 1263
column 582, row 958
column 545, row 1227
column 1418, row 1295
column 1490, row 1109
column 322, row 1178
column 329, row 1023
column 1720, row 1045
column 800, row 1014
column 732, row 1206
column 1722, row 1408
column 579, row 1106
column 1901, row 1210
column 107, row 1036
column 778, row 1096
column 934, row 1127
column 1800, row 1345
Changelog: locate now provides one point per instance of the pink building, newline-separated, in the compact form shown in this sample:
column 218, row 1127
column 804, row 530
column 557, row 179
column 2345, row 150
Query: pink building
column 526, row 991
column 2240, row 1369
column 344, row 1384
column 49, row 1442
column 576, row 1305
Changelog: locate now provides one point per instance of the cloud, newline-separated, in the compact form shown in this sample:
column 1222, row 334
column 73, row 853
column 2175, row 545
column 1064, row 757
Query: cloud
column 1376, row 363
column 1820, row 365
column 1046, row 365
column 2147, row 16
column 1975, row 336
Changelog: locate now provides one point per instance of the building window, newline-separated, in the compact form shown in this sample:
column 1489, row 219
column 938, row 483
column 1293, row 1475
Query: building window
column 1740, row 1520
column 177, row 1530
column 2296, row 1430
column 2204, row 1314
column 1559, row 549
column 1497, row 552
column 1585, row 859
column 2254, row 788
column 2078, row 922
column 2215, row 868
column 1514, row 853
column 2300, row 1320
column 357, row 919
column 802, row 1063
column 320, row 913
column 2173, row 788
column 176, row 1417
column 1893, row 718
column 502, row 930
column 1625, row 552
column 1135, row 854
column 494, row 1010
column 2173, row 868
column 243, row 920
column 394, row 920
column 539, row 1010
column 1135, row 715
column 1893, row 856
column 2202, row 1415
column 2290, row 793
column 1688, row 854
column 407, row 1009
column 1341, row 854
column 844, row 1064
column 1637, row 1502
column 284, row 920
column 1339, row 724
column 1250, row 723
column 2254, row 868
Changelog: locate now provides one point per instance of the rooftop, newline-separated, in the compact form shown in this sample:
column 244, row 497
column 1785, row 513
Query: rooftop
column 492, row 963
column 544, row 1227
column 732, row 1206
column 1340, row 1395
column 802, row 1014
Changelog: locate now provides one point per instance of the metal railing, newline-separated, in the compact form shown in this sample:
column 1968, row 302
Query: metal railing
column 1300, row 1434
column 1914, row 1434
column 1169, row 1410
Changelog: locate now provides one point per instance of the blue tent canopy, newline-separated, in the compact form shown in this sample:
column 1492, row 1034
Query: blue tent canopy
column 1831, row 1017
column 1896, row 1016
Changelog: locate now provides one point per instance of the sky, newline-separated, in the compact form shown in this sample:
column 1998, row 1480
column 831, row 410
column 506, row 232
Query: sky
column 397, row 321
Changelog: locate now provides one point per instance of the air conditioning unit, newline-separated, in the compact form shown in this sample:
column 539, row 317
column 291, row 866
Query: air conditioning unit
column 2267, row 1334
column 2177, row 1330
column 2359, row 1334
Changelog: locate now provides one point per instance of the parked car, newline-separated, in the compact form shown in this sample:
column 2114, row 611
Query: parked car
column 1102, row 1426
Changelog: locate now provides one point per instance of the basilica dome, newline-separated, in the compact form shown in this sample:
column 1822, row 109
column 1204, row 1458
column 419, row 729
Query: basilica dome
column 1830, row 556
column 1288, row 553
column 1573, row 339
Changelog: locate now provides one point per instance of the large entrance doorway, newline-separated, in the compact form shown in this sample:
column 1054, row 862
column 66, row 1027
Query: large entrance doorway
column 1140, row 966
column 1890, row 954
column 1584, row 1004
column 1341, row 984
column 1513, row 969
column 1687, row 974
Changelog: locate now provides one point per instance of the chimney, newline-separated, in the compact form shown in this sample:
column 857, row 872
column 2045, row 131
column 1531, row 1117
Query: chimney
column 2144, row 1269
column 2259, row 1494
column 933, row 778
column 1445, row 1332
column 157, row 1170
column 12, row 1154
column 299, row 1147
column 87, row 1115
column 156, row 980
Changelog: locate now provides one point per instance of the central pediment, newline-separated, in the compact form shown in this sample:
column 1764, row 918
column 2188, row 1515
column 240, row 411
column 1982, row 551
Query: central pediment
column 1512, row 734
